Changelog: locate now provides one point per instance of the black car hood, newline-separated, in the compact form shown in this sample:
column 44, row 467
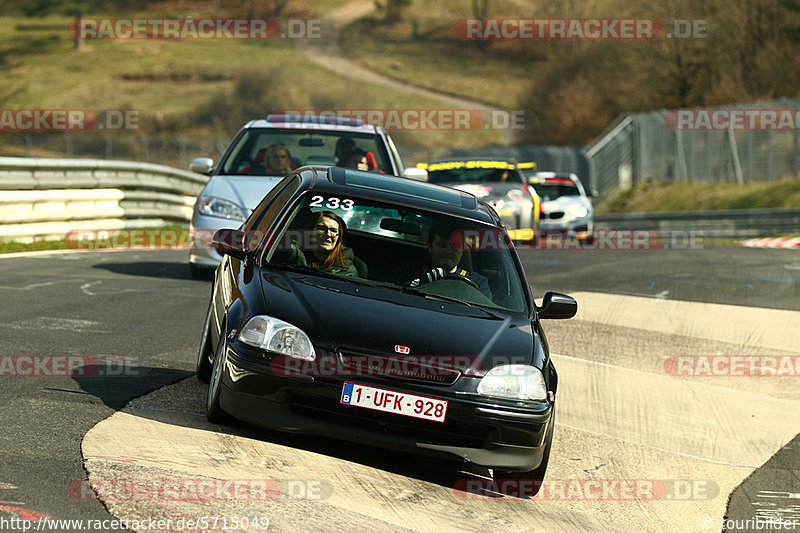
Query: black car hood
column 343, row 316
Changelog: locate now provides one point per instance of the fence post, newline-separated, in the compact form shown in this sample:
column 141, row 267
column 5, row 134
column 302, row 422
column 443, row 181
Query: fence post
column 737, row 168
column 683, row 172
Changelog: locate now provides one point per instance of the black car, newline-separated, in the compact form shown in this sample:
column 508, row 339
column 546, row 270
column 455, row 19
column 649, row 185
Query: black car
column 380, row 345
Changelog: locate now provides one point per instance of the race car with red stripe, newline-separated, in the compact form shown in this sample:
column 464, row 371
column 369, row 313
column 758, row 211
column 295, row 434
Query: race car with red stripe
column 496, row 181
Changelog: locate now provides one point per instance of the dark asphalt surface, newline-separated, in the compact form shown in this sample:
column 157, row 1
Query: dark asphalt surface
column 715, row 274
column 143, row 306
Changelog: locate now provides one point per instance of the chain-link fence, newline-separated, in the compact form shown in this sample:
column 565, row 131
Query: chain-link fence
column 657, row 146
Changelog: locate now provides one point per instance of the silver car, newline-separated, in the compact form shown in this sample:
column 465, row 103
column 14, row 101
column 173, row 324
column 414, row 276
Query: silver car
column 244, row 175
column 566, row 209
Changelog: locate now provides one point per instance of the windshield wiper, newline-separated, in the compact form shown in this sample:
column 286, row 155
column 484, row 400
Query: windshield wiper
column 438, row 297
column 318, row 272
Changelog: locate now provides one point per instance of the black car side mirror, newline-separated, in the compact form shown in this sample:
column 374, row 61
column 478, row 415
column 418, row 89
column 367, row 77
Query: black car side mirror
column 232, row 242
column 557, row 305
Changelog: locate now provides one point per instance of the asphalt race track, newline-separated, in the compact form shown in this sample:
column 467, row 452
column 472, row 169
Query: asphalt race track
column 667, row 450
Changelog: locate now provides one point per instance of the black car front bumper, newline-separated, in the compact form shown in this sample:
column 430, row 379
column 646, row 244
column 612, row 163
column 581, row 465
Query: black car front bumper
column 490, row 434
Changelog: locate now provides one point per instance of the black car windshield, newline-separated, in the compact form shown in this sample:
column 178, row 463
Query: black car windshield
column 391, row 246
column 473, row 172
column 271, row 151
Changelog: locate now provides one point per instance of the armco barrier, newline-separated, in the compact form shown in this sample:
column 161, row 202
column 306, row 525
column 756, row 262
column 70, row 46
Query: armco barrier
column 735, row 223
column 46, row 198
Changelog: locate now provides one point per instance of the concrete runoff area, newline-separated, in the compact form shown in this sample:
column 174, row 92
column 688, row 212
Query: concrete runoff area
column 634, row 449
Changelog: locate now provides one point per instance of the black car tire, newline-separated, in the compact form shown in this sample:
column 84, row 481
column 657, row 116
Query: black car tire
column 198, row 272
column 203, row 367
column 538, row 472
column 214, row 412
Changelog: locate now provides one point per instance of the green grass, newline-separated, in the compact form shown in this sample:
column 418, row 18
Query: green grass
column 659, row 197
column 166, row 237
column 11, row 247
column 171, row 82
column 442, row 64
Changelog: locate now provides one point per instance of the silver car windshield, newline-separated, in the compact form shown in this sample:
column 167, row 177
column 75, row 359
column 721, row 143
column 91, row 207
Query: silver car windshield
column 266, row 151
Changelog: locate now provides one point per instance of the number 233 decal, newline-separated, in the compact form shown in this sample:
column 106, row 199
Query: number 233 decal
column 332, row 203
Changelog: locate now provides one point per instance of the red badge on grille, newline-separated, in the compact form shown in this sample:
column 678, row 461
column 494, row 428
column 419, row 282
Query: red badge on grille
column 405, row 350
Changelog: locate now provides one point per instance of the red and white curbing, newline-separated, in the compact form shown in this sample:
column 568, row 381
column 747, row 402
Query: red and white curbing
column 773, row 242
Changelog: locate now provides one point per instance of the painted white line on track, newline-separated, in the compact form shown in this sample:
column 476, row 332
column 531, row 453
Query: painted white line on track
column 777, row 329
column 631, row 405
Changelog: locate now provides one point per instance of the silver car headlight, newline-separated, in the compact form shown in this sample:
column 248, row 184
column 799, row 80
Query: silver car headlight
column 274, row 335
column 577, row 211
column 517, row 382
column 217, row 207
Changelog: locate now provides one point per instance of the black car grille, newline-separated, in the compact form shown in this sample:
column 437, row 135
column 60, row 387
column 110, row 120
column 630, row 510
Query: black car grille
column 554, row 215
column 443, row 433
column 398, row 367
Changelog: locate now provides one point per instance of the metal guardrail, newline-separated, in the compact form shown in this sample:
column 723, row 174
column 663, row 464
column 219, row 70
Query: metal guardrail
column 736, row 223
column 48, row 198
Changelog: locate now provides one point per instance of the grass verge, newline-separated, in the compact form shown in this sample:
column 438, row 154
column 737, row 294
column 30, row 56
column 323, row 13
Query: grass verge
column 663, row 197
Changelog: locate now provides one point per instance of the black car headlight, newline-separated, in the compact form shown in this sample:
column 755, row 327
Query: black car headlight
column 516, row 382
column 277, row 336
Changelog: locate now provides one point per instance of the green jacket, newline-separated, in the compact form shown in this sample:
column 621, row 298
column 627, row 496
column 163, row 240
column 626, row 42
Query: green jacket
column 345, row 268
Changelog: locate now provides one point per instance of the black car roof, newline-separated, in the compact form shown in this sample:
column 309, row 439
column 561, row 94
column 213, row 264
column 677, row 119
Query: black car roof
column 397, row 190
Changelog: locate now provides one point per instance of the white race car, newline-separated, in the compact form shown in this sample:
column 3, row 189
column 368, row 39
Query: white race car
column 565, row 207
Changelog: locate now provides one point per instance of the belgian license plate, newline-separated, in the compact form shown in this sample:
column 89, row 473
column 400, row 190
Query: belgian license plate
column 390, row 401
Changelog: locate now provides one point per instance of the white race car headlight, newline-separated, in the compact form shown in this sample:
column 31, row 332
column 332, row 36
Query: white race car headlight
column 217, row 207
column 577, row 211
column 516, row 382
column 277, row 336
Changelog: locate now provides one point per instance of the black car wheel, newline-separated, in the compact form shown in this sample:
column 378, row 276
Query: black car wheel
column 538, row 472
column 214, row 412
column 200, row 273
column 203, row 367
